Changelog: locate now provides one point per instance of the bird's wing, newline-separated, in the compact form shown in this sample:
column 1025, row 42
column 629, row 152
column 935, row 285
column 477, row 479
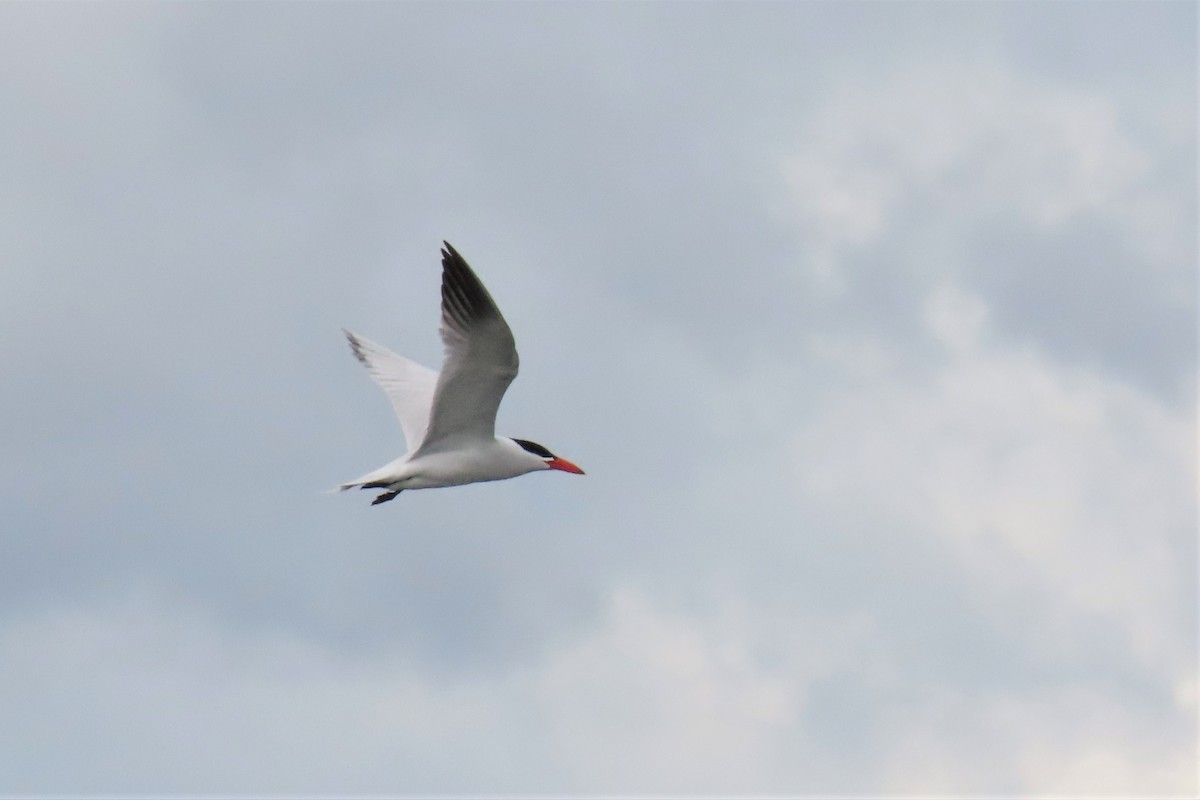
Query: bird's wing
column 409, row 385
column 481, row 359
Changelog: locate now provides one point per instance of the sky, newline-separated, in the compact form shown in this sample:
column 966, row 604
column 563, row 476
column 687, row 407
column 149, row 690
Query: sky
column 874, row 326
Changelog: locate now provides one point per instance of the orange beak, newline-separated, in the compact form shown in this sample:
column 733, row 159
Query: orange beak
column 564, row 465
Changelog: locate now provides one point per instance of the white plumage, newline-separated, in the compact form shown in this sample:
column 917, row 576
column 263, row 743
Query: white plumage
column 449, row 418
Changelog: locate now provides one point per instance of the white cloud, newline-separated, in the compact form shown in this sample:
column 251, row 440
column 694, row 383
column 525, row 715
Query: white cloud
column 662, row 702
column 139, row 696
column 1062, row 500
column 1086, row 480
column 1066, row 501
column 973, row 139
column 1060, row 742
column 144, row 696
column 955, row 317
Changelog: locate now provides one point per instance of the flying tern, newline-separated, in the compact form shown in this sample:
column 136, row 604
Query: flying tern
column 449, row 418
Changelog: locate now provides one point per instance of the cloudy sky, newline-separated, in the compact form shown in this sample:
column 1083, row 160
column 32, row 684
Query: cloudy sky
column 874, row 326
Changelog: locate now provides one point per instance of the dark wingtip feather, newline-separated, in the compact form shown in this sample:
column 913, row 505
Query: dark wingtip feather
column 356, row 347
column 463, row 295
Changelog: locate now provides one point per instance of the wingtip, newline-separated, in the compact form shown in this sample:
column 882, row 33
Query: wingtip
column 356, row 346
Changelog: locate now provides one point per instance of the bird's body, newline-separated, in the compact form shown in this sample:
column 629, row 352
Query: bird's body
column 496, row 460
column 449, row 417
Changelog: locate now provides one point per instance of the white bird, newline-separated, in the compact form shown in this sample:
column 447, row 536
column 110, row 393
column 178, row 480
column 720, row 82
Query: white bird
column 449, row 418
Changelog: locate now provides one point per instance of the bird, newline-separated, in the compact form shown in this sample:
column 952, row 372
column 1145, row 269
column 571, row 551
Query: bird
column 449, row 417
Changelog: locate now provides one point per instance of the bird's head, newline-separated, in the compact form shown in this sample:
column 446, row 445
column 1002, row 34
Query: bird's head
column 548, row 459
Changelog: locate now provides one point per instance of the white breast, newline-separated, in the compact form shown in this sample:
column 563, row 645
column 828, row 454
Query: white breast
column 490, row 461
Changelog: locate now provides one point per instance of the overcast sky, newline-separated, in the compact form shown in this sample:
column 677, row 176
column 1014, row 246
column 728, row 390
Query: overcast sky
column 873, row 325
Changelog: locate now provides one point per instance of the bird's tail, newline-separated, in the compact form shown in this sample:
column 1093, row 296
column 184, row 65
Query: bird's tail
column 361, row 483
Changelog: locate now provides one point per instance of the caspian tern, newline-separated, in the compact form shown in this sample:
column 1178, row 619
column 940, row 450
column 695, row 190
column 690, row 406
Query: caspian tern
column 449, row 418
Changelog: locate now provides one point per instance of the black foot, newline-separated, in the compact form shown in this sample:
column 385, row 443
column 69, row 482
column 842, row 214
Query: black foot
column 383, row 498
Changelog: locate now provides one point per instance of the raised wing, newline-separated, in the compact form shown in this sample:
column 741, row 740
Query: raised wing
column 409, row 385
column 481, row 359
